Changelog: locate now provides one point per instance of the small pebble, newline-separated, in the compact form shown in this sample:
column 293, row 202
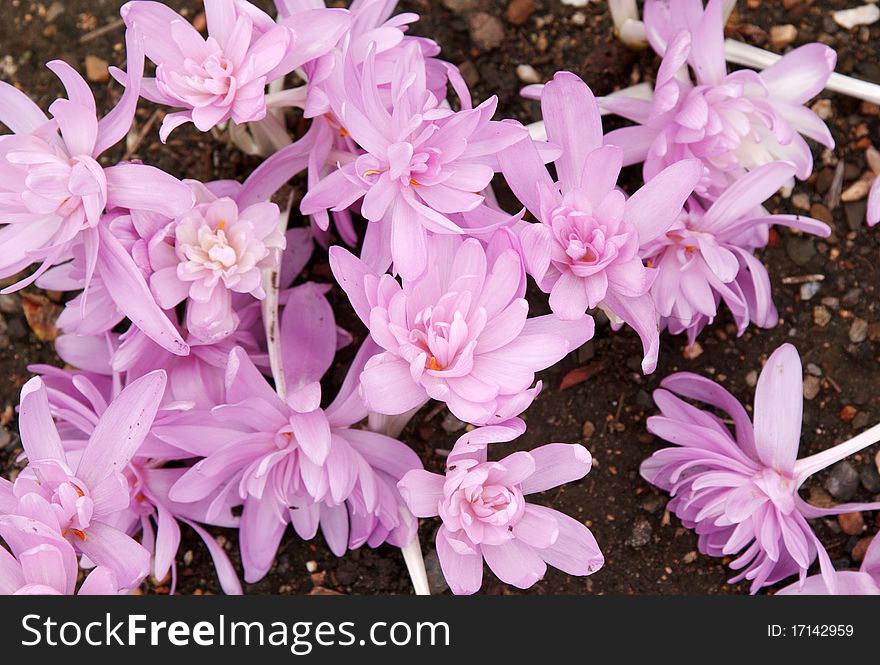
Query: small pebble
column 821, row 316
column 782, row 35
column 588, row 430
column 693, row 351
column 858, row 331
column 752, row 379
column 97, row 69
column 641, row 533
column 858, row 553
column 527, row 74
column 843, row 481
column 812, row 386
column 801, row 201
column 518, row 11
column 856, row 191
column 809, row 289
column 852, row 524
column 848, row 413
column 800, row 250
column 823, row 109
column 451, row 424
column 813, row 369
column 312, row 566
column 850, row 18
column 487, row 32
column 870, row 478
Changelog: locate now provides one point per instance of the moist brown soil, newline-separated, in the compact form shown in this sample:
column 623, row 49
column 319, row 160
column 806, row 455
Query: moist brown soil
column 647, row 550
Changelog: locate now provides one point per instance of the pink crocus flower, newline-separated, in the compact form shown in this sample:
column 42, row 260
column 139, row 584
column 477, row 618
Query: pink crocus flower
column 732, row 122
column 53, row 190
column 708, row 255
column 486, row 517
column 43, row 563
column 421, row 161
column 79, row 495
column 224, row 76
column 291, row 462
column 458, row 334
column 862, row 582
column 740, row 493
column 78, row 400
column 216, row 250
column 585, row 251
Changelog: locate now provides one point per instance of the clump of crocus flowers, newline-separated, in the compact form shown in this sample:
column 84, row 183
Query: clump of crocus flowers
column 198, row 353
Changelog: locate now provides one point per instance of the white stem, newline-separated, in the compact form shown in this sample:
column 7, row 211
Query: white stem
column 415, row 564
column 623, row 11
column 390, row 425
column 752, row 56
column 806, row 467
column 272, row 285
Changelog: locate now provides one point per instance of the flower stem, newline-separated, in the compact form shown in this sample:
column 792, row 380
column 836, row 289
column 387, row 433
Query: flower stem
column 806, row 467
column 415, row 564
column 272, row 286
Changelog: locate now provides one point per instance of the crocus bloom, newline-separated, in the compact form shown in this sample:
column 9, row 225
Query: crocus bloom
column 43, row 563
column 862, row 582
column 740, row 494
column 421, row 160
column 731, row 122
column 485, row 515
column 53, row 190
column 224, row 76
column 585, row 252
column 458, row 334
column 213, row 252
column 708, row 255
column 289, row 461
column 78, row 495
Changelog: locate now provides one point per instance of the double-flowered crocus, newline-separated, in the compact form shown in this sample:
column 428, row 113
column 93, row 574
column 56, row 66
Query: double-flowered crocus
column 419, row 162
column 708, row 255
column 224, row 77
column 216, row 250
column 458, row 334
column 78, row 494
column 53, row 191
column 486, row 517
column 586, row 250
column 287, row 461
column 740, row 493
column 731, row 122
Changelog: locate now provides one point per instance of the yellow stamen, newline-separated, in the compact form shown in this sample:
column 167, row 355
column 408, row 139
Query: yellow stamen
column 343, row 132
column 367, row 174
column 222, row 225
column 79, row 534
column 649, row 263
column 78, row 490
column 433, row 364
column 690, row 249
column 415, row 183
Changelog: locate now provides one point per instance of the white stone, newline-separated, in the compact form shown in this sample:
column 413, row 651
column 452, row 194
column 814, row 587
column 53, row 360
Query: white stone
column 527, row 74
column 850, row 18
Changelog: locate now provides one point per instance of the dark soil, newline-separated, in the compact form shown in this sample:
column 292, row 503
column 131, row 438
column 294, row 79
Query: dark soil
column 647, row 551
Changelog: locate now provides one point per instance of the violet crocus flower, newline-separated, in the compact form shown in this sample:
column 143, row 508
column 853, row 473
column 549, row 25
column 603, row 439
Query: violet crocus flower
column 43, row 563
column 862, row 582
column 585, row 251
column 224, row 76
column 79, row 495
column 53, row 190
column 486, row 517
column 740, row 494
column 291, row 462
column 732, row 122
column 421, row 162
column 708, row 255
column 458, row 334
